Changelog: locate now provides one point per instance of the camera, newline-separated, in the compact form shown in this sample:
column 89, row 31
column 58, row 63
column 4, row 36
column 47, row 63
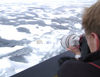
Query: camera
column 77, row 41
column 70, row 40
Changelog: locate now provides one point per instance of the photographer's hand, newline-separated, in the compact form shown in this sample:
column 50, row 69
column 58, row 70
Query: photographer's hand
column 75, row 50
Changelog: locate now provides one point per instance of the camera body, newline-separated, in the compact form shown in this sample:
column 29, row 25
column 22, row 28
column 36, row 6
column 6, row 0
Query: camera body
column 77, row 41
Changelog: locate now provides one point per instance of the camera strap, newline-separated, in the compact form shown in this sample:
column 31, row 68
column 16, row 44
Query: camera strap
column 95, row 65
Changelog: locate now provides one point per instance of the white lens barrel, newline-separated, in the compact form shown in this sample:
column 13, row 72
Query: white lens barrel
column 70, row 40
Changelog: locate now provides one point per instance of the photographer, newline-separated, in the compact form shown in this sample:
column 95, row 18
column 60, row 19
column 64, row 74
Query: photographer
column 90, row 65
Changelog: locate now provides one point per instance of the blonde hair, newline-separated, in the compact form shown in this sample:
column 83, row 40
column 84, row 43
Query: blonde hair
column 91, row 19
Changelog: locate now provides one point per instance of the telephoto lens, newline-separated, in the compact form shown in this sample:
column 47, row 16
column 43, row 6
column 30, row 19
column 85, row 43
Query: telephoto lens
column 70, row 40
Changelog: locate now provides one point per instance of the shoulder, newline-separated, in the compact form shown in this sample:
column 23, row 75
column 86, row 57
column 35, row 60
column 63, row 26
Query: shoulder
column 73, row 69
column 74, row 65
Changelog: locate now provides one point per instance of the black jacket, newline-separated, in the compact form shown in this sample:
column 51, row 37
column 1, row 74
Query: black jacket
column 89, row 67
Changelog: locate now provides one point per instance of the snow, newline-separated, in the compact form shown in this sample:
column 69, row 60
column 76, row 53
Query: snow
column 9, row 50
column 10, row 33
column 6, row 68
column 42, row 1
column 78, row 25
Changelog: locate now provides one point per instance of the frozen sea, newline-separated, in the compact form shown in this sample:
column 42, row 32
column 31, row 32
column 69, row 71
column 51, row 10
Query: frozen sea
column 31, row 30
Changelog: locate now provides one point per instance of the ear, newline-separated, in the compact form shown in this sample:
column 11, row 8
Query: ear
column 96, row 40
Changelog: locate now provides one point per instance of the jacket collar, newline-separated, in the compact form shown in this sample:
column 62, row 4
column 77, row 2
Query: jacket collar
column 92, row 57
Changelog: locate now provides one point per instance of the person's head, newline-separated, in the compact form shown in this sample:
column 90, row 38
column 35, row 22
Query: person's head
column 91, row 25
